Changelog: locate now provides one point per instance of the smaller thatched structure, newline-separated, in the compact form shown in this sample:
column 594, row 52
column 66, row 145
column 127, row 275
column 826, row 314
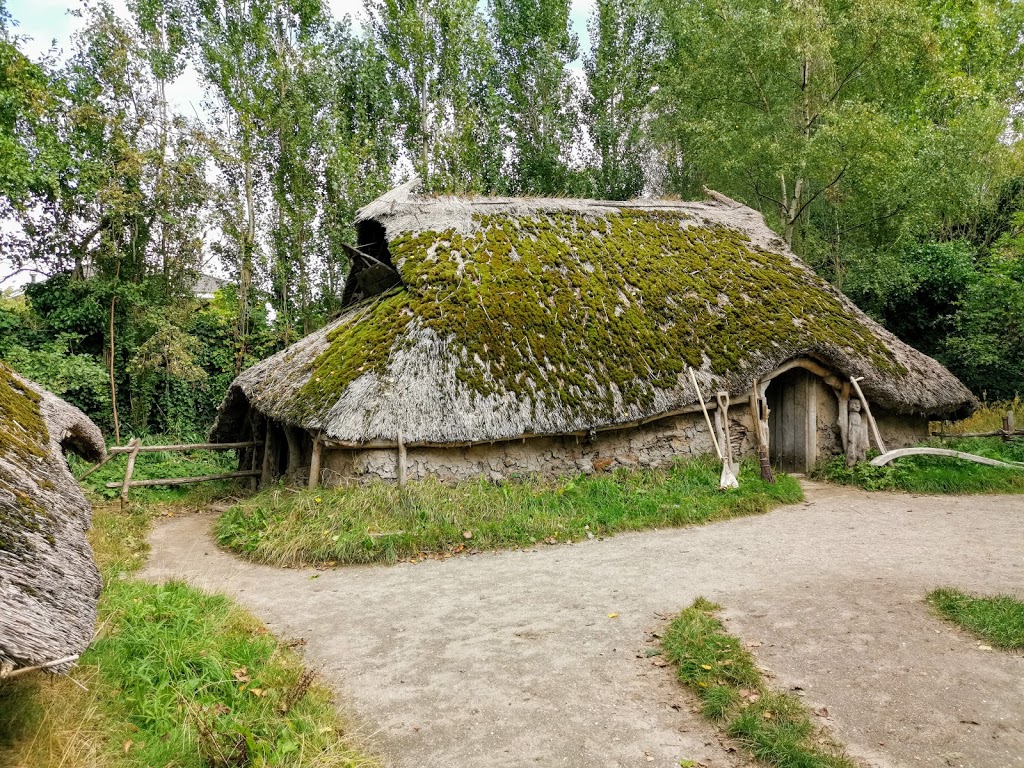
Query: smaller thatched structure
column 49, row 584
column 504, row 336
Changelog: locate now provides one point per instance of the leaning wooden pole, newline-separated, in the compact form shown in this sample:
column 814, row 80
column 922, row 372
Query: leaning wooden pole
column 867, row 412
column 761, row 433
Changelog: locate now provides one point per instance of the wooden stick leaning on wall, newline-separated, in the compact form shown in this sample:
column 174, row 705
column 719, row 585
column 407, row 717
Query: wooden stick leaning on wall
column 867, row 412
column 761, row 432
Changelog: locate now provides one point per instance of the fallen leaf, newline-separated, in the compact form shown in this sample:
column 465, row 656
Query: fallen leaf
column 241, row 674
column 984, row 647
column 613, row 615
column 467, row 534
column 659, row 662
column 705, row 666
column 821, row 711
column 127, row 746
column 754, row 644
column 257, row 692
column 769, row 715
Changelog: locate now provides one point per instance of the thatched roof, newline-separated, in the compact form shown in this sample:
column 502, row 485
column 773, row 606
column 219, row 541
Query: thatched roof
column 48, row 581
column 510, row 317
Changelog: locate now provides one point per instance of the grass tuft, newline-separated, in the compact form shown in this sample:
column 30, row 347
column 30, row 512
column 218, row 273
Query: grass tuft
column 936, row 474
column 774, row 727
column 383, row 523
column 998, row 620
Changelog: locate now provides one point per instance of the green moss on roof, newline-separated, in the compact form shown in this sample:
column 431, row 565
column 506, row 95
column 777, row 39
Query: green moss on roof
column 23, row 441
column 567, row 308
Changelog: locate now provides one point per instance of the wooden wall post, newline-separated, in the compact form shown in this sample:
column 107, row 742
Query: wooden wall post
column 314, row 462
column 401, row 460
column 844, row 416
column 269, row 459
column 294, row 450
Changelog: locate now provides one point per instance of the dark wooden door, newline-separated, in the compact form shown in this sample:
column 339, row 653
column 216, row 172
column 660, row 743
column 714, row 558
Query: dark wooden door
column 791, row 423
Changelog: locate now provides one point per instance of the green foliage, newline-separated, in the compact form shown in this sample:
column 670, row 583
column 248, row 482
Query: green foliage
column 774, row 727
column 383, row 523
column 997, row 620
column 706, row 294
column 936, row 474
column 76, row 377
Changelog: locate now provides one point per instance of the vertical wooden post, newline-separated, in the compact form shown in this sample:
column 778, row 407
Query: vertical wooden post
column 267, row 470
column 291, row 434
column 867, row 412
column 844, row 416
column 314, row 462
column 134, row 445
column 401, row 460
column 1008, row 425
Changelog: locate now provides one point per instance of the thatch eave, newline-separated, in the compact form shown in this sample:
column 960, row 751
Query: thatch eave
column 49, row 584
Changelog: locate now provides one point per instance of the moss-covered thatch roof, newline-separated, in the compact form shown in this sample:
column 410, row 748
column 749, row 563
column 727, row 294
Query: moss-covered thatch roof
column 48, row 581
column 520, row 317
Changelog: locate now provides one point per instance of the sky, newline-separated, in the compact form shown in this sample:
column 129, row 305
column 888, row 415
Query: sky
column 48, row 20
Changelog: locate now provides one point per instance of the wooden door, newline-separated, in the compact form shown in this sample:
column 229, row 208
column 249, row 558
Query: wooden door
column 792, row 423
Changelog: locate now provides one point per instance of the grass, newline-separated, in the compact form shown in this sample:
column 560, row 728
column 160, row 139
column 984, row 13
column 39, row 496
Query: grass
column 774, row 727
column 936, row 474
column 383, row 523
column 986, row 419
column 176, row 677
column 997, row 620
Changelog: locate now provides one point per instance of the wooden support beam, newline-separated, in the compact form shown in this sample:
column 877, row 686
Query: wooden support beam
column 314, row 463
column 115, row 450
column 184, row 480
column 844, row 416
column 401, row 461
column 111, row 454
column 269, row 463
column 867, row 412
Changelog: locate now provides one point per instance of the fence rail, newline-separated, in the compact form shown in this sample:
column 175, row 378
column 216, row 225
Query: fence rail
column 135, row 447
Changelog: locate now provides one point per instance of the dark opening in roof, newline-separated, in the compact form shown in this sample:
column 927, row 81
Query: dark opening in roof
column 371, row 272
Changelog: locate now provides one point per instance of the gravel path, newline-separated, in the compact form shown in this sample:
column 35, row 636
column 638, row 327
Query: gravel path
column 511, row 658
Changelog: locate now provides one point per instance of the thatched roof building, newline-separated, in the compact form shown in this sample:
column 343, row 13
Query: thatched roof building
column 49, row 584
column 480, row 320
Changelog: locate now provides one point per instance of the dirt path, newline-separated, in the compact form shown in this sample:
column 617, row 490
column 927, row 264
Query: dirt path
column 511, row 659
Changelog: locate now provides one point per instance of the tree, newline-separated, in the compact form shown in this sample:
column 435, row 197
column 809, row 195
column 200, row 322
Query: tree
column 843, row 122
column 620, row 83
column 534, row 47
column 437, row 53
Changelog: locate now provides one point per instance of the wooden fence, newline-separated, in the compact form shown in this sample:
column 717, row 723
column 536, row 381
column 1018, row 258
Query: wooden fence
column 135, row 447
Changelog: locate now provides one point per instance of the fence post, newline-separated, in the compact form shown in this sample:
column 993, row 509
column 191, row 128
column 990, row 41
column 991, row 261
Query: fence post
column 134, row 446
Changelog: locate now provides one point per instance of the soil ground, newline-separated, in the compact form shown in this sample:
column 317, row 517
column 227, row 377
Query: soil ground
column 513, row 658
